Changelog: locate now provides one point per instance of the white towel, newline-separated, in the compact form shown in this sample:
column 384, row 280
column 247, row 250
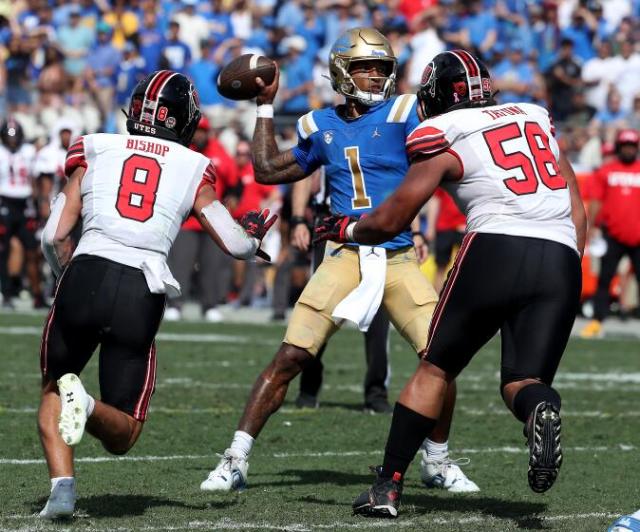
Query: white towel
column 362, row 303
column 159, row 277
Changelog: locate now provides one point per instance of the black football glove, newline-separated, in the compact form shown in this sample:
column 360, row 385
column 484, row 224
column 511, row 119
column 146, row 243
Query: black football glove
column 256, row 224
column 333, row 227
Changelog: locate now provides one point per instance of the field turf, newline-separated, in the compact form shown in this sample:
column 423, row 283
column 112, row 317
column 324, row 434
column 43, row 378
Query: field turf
column 308, row 465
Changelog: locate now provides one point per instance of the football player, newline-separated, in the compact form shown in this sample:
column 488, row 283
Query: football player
column 361, row 146
column 131, row 194
column 18, row 213
column 517, row 272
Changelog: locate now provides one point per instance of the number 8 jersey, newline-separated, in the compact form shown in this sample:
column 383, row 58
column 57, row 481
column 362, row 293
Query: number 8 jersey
column 136, row 191
column 511, row 183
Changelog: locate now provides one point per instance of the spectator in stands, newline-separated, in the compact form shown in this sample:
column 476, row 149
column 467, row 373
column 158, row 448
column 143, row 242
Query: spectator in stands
column 18, row 78
column 241, row 20
column 581, row 112
column 129, row 72
column 582, row 31
column 598, row 75
column 100, row 74
column 614, row 207
column 611, row 118
column 634, row 117
column 203, row 73
column 176, row 53
column 298, row 75
column 627, row 69
column 424, row 44
column 193, row 27
column 516, row 79
column 151, row 41
column 218, row 21
column 124, row 22
column 75, row 41
column 564, row 79
column 53, row 81
column 480, row 29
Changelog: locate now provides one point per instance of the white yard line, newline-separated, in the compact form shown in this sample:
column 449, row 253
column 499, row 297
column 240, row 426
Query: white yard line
column 622, row 447
column 354, row 524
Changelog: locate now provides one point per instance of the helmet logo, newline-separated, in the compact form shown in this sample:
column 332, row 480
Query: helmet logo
column 486, row 85
column 170, row 122
column 429, row 79
column 378, row 53
column 460, row 88
column 162, row 113
column 193, row 102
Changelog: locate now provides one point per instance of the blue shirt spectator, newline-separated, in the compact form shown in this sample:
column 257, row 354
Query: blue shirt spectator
column 204, row 73
column 130, row 71
column 75, row 41
column 514, row 77
column 151, row 42
column 177, row 53
column 581, row 35
column 298, row 71
column 104, row 58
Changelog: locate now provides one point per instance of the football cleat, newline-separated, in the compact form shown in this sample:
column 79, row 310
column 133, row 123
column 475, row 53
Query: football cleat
column 545, row 452
column 446, row 474
column 213, row 315
column 593, row 329
column 62, row 500
column 626, row 523
column 73, row 416
column 229, row 475
column 382, row 499
column 172, row 314
column 306, row 400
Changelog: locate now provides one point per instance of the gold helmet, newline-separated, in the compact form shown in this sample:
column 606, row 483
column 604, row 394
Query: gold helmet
column 361, row 44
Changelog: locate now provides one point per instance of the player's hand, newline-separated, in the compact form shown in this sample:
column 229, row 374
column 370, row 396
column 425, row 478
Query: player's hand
column 333, row 227
column 268, row 92
column 420, row 245
column 256, row 224
column 301, row 237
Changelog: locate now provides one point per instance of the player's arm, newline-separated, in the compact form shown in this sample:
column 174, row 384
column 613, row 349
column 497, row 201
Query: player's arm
column 419, row 240
column 270, row 164
column 300, row 235
column 241, row 241
column 578, row 214
column 66, row 210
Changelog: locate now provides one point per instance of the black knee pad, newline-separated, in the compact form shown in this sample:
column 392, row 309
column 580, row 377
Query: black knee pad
column 530, row 396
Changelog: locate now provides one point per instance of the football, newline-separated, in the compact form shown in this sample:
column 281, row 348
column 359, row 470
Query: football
column 237, row 80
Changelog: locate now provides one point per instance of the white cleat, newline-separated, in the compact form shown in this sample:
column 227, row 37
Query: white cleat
column 62, row 501
column 172, row 314
column 73, row 416
column 446, row 475
column 229, row 475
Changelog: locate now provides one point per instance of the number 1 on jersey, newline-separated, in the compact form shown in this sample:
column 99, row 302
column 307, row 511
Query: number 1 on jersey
column 360, row 199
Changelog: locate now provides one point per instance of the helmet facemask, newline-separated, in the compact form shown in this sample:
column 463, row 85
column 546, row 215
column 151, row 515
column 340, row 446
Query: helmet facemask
column 349, row 88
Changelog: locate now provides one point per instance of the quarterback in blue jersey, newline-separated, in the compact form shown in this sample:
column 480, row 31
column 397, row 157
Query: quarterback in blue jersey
column 361, row 145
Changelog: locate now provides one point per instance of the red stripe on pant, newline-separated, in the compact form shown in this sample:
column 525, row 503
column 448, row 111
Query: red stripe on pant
column 47, row 328
column 142, row 406
column 455, row 270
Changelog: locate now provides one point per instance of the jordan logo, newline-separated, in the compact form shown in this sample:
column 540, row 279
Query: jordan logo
column 376, row 133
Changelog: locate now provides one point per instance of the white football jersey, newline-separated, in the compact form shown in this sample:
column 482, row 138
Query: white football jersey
column 136, row 192
column 50, row 161
column 511, row 183
column 16, row 171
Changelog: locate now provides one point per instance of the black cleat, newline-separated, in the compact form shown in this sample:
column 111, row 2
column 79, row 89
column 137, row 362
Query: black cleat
column 382, row 499
column 545, row 452
column 305, row 400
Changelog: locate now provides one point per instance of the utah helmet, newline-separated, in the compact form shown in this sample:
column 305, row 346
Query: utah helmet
column 165, row 104
column 361, row 44
column 11, row 134
column 453, row 80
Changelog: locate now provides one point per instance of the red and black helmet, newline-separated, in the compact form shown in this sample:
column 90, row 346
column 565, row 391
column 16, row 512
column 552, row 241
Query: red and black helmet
column 454, row 80
column 12, row 134
column 165, row 104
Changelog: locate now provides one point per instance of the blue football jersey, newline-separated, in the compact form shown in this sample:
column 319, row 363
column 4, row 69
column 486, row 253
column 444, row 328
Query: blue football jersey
column 364, row 158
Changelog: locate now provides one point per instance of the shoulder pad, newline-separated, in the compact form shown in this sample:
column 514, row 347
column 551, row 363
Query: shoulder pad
column 307, row 125
column 401, row 107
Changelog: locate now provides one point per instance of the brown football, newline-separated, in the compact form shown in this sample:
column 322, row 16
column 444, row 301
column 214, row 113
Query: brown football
column 237, row 80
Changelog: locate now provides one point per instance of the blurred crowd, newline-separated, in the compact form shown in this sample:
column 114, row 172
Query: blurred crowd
column 68, row 67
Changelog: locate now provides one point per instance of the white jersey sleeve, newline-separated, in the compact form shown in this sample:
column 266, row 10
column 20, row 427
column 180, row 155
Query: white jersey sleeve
column 136, row 192
column 511, row 182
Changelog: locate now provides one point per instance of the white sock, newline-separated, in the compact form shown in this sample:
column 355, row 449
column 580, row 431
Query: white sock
column 91, row 404
column 436, row 451
column 56, row 480
column 242, row 443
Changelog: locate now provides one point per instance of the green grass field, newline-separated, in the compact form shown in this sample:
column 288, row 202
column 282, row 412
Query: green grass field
column 308, row 465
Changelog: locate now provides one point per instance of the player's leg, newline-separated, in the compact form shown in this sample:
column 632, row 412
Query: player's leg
column 127, row 360
column 534, row 338
column 443, row 247
column 608, row 266
column 69, row 338
column 310, row 326
column 410, row 301
column 376, row 342
column 466, row 305
column 33, row 256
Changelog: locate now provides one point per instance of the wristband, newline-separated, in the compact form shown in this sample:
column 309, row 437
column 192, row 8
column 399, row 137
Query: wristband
column 418, row 233
column 297, row 220
column 265, row 110
column 349, row 231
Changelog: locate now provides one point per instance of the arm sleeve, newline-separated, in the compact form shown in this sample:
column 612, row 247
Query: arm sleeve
column 426, row 141
column 75, row 157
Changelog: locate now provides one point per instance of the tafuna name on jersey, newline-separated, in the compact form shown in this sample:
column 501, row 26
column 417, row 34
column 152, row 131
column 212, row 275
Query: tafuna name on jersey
column 147, row 146
column 505, row 111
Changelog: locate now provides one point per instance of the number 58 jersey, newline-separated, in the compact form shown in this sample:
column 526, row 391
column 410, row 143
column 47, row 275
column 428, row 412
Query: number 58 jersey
column 136, row 191
column 511, row 182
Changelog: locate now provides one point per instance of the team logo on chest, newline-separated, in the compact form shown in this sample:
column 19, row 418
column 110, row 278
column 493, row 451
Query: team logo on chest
column 328, row 137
